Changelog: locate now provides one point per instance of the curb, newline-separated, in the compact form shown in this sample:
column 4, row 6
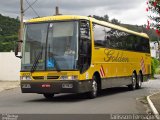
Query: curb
column 154, row 110
column 7, row 85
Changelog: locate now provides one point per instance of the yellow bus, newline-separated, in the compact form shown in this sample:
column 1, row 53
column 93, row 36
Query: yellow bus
column 78, row 54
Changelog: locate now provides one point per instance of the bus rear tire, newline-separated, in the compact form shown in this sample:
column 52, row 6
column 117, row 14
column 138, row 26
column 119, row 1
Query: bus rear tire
column 94, row 88
column 48, row 96
column 134, row 81
column 139, row 81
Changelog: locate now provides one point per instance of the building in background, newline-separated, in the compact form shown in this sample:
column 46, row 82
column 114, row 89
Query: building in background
column 9, row 66
column 154, row 49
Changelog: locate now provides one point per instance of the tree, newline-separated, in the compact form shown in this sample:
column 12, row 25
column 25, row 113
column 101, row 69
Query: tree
column 104, row 18
column 154, row 15
column 115, row 21
column 8, row 33
column 154, row 8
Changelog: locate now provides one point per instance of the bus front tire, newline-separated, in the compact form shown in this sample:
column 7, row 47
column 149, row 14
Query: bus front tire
column 94, row 88
column 134, row 81
column 48, row 96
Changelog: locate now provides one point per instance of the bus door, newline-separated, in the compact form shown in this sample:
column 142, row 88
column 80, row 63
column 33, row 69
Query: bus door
column 85, row 46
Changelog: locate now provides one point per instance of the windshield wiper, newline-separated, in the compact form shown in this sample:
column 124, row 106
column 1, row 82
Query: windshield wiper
column 36, row 61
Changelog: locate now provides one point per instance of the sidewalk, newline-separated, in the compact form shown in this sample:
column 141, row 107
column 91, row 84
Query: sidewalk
column 156, row 101
column 5, row 85
column 155, row 98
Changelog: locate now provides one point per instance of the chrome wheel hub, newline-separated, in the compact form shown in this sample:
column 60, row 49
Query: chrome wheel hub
column 94, row 87
column 134, row 81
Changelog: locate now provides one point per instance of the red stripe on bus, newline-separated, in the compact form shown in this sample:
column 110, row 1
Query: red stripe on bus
column 102, row 71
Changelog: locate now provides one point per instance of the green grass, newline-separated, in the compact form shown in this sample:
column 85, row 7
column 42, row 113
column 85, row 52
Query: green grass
column 157, row 71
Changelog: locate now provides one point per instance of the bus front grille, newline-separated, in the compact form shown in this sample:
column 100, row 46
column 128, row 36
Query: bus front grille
column 45, row 78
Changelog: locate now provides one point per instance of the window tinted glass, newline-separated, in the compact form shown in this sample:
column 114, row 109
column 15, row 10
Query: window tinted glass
column 84, row 46
column 116, row 39
column 99, row 35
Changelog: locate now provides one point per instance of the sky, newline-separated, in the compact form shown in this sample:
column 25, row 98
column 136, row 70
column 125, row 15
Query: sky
column 126, row 11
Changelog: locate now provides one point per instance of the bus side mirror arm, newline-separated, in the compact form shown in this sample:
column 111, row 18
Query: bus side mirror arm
column 17, row 49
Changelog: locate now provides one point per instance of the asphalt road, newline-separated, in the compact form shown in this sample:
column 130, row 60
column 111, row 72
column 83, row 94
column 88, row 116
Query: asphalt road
column 110, row 101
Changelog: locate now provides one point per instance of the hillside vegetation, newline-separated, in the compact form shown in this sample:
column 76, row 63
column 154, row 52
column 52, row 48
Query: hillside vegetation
column 151, row 33
column 8, row 33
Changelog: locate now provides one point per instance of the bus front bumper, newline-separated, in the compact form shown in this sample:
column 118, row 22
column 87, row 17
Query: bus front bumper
column 56, row 86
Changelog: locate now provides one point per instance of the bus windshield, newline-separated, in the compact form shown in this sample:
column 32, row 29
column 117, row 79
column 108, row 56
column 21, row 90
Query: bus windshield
column 50, row 46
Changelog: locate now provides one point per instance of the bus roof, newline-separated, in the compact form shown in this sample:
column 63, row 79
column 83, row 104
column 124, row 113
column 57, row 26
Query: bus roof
column 77, row 17
column 58, row 17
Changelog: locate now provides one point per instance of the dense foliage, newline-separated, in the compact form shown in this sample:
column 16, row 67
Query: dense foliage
column 151, row 33
column 154, row 15
column 8, row 33
column 106, row 18
column 154, row 66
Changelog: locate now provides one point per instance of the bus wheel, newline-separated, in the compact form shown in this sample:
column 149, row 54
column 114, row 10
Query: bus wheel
column 134, row 81
column 48, row 96
column 94, row 89
column 139, row 81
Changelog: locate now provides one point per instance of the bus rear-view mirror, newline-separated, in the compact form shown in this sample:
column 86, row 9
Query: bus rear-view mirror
column 17, row 48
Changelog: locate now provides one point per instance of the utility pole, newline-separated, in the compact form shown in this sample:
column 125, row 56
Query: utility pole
column 21, row 20
column 57, row 10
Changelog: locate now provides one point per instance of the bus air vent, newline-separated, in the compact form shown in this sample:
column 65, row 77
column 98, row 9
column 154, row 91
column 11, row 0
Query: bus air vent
column 52, row 77
column 38, row 77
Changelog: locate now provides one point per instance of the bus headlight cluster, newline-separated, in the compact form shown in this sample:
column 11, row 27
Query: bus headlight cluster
column 71, row 77
column 25, row 78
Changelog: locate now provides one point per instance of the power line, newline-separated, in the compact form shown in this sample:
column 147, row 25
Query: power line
column 30, row 6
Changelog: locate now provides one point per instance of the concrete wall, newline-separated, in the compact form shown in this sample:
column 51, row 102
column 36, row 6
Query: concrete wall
column 9, row 66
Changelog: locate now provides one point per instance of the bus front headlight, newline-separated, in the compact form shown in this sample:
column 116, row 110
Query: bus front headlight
column 71, row 77
column 25, row 78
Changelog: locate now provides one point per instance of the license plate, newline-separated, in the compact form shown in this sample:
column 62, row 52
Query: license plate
column 26, row 86
column 67, row 85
